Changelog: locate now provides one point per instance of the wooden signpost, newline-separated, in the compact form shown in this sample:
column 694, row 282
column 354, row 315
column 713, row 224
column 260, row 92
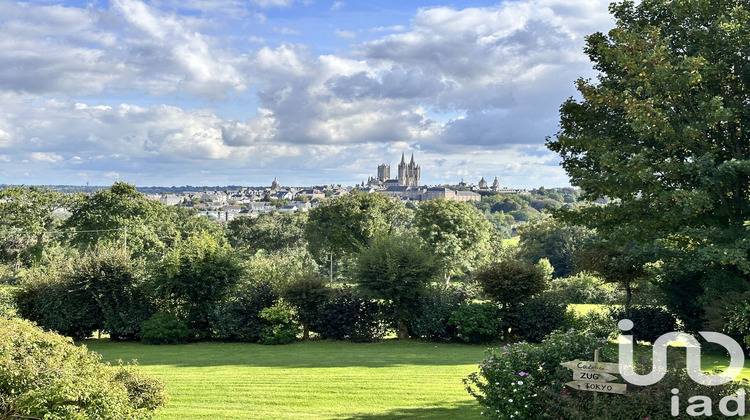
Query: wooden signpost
column 594, row 376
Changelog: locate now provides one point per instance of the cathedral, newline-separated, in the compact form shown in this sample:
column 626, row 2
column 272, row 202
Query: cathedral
column 409, row 175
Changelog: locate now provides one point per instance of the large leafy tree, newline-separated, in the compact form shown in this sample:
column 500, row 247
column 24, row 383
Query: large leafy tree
column 456, row 232
column 26, row 215
column 122, row 215
column 665, row 133
column 276, row 231
column 118, row 214
column 344, row 225
column 554, row 240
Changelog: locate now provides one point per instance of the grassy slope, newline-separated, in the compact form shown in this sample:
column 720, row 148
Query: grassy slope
column 308, row 380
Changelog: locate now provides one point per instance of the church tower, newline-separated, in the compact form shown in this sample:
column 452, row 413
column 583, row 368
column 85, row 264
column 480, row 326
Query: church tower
column 409, row 175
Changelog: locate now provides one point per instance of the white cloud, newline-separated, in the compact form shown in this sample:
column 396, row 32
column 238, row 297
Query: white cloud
column 454, row 83
column 45, row 157
column 345, row 34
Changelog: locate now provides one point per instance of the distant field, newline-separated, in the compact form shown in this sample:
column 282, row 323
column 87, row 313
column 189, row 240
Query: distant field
column 314, row 380
column 511, row 242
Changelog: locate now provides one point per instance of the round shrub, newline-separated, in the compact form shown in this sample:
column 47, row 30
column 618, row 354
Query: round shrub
column 349, row 315
column 43, row 375
column 584, row 288
column 477, row 322
column 649, row 322
column 144, row 392
column 281, row 328
column 538, row 317
column 511, row 281
column 164, row 328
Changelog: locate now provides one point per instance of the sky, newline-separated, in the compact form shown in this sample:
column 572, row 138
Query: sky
column 310, row 92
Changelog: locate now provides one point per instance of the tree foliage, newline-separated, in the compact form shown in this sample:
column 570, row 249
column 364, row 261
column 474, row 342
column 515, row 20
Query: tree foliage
column 555, row 241
column 342, row 226
column 193, row 278
column 26, row 214
column 511, row 281
column 307, row 293
column 396, row 269
column 103, row 217
column 665, row 133
column 456, row 232
column 275, row 231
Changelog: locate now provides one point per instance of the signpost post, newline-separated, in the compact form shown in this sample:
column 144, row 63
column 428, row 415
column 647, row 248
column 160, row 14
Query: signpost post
column 594, row 376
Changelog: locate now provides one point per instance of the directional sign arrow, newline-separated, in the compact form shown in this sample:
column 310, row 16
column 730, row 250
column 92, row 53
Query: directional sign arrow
column 592, row 376
column 599, row 367
column 598, row 387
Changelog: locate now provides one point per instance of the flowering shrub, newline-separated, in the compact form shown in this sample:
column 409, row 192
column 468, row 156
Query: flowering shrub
column 510, row 382
column 652, row 402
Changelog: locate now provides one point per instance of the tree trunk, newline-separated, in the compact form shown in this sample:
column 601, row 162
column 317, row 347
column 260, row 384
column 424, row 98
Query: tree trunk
column 628, row 295
column 305, row 332
column 402, row 329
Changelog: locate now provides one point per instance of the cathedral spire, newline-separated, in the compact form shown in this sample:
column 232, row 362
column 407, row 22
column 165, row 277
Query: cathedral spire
column 403, row 160
column 412, row 159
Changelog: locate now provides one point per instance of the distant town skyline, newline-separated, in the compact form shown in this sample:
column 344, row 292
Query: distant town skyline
column 310, row 92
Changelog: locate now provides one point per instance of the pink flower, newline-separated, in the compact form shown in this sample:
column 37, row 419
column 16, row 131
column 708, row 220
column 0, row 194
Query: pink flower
column 523, row 373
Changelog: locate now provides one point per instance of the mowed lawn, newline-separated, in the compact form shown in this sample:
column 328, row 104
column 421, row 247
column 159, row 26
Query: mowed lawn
column 310, row 380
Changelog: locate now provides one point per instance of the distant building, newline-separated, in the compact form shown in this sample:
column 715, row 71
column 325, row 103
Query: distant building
column 409, row 175
column 482, row 184
column 384, row 172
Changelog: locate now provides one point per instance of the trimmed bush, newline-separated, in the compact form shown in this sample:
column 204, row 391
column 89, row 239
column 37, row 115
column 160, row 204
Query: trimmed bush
column 511, row 281
column 349, row 315
column 282, row 328
column 164, row 328
column 43, row 375
column 307, row 293
column 648, row 322
column 600, row 323
column 238, row 317
column 435, row 309
column 477, row 322
column 538, row 317
column 57, row 303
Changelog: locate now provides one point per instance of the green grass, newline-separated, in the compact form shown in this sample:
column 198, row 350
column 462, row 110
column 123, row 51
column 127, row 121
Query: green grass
column 584, row 308
column 511, row 242
column 331, row 380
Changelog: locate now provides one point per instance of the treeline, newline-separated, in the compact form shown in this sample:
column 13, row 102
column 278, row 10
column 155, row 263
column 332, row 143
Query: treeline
column 357, row 267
